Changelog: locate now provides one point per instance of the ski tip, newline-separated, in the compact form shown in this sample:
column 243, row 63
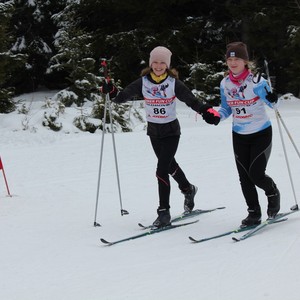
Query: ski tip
column 192, row 239
column 235, row 239
column 222, row 207
column 145, row 227
column 105, row 242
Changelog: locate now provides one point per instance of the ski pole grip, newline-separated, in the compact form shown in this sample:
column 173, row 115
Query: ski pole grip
column 268, row 74
column 105, row 70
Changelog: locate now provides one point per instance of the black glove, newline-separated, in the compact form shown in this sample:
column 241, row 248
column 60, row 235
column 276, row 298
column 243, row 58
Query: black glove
column 107, row 87
column 210, row 115
column 271, row 96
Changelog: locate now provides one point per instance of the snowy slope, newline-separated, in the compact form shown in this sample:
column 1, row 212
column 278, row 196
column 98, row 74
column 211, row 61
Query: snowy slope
column 51, row 250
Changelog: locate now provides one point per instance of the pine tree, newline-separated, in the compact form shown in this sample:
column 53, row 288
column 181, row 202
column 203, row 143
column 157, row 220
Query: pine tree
column 271, row 31
column 32, row 28
column 74, row 57
column 6, row 92
column 293, row 46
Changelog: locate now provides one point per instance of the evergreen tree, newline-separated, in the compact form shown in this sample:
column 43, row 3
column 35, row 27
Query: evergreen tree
column 74, row 57
column 7, row 60
column 127, row 31
column 33, row 29
column 270, row 30
column 292, row 49
column 74, row 35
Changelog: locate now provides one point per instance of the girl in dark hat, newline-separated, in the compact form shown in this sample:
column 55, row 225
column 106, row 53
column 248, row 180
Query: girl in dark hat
column 245, row 99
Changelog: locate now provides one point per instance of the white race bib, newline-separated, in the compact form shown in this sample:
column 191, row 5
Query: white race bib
column 160, row 100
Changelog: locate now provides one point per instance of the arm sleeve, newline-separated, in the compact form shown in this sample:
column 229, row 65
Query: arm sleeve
column 225, row 110
column 131, row 92
column 261, row 89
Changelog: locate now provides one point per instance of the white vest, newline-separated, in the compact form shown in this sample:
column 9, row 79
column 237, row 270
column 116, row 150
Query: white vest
column 247, row 108
column 160, row 100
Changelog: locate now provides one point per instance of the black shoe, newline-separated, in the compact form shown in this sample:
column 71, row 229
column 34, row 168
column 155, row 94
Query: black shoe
column 189, row 196
column 253, row 218
column 163, row 219
column 273, row 203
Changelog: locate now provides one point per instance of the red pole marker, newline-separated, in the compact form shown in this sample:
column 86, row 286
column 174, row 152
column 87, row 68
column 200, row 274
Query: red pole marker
column 2, row 168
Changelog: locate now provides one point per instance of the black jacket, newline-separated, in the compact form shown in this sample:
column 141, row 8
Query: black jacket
column 134, row 92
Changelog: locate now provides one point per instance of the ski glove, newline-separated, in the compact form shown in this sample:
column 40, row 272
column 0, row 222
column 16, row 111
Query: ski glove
column 107, row 87
column 271, row 96
column 210, row 115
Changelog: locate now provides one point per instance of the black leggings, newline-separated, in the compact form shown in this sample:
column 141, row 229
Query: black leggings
column 165, row 150
column 252, row 153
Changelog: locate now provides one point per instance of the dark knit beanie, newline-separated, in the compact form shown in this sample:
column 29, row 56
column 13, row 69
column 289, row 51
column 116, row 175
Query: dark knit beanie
column 237, row 49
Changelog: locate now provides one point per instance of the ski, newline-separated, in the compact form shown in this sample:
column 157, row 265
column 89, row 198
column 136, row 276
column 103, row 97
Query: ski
column 240, row 229
column 146, row 233
column 278, row 218
column 237, row 230
column 185, row 215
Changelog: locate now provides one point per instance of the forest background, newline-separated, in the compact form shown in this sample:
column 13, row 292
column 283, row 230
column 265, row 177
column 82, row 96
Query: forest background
column 59, row 45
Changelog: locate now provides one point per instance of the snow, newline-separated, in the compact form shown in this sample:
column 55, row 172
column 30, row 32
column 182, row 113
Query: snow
column 51, row 250
column 19, row 45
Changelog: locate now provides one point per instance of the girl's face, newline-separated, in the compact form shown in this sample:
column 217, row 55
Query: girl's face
column 158, row 68
column 236, row 65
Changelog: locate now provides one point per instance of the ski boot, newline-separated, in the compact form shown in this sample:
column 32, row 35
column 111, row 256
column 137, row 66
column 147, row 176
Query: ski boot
column 163, row 219
column 273, row 203
column 253, row 218
column 189, row 196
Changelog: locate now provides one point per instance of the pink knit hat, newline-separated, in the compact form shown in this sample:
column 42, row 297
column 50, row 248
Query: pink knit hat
column 161, row 54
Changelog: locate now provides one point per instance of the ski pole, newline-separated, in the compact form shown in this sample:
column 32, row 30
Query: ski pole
column 100, row 165
column 287, row 131
column 107, row 105
column 107, row 98
column 281, row 136
column 123, row 211
column 279, row 115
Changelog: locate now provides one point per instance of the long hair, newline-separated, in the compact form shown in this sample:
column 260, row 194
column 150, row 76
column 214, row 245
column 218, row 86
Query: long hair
column 171, row 72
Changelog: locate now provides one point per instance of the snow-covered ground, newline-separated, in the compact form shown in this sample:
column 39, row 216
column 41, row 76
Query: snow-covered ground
column 51, row 250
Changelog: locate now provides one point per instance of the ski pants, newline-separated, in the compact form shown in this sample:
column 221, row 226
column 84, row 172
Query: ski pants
column 165, row 149
column 252, row 152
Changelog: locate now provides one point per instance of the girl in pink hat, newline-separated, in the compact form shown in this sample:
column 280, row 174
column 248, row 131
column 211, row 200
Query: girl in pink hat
column 159, row 86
